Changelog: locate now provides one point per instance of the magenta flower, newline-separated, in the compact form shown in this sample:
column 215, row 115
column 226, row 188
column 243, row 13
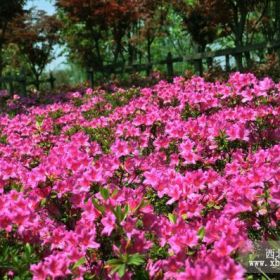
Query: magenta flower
column 175, row 180
column 108, row 223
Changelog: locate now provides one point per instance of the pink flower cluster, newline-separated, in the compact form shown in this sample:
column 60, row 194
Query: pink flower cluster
column 183, row 174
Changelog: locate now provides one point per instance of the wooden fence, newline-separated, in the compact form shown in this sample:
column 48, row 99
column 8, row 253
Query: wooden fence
column 196, row 59
column 10, row 82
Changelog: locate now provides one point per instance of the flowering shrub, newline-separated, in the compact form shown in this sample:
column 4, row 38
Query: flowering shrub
column 168, row 182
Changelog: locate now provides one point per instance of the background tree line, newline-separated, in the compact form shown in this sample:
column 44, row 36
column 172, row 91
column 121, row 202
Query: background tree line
column 95, row 33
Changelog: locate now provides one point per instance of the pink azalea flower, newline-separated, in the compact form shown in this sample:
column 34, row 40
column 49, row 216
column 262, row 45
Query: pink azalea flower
column 120, row 148
column 109, row 223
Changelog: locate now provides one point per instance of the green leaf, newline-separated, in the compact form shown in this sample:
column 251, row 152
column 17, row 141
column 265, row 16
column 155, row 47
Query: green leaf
column 126, row 210
column 43, row 202
column 99, row 207
column 117, row 266
column 184, row 216
column 172, row 218
column 39, row 121
column 115, row 192
column 105, row 193
column 120, row 269
column 114, row 262
column 210, row 204
column 119, row 213
column 53, row 195
column 135, row 259
column 80, row 262
column 201, row 233
column 28, row 249
column 15, row 259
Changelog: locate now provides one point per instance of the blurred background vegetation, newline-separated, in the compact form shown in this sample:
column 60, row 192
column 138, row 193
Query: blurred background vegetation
column 91, row 34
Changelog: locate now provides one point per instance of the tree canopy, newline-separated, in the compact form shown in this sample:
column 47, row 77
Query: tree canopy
column 98, row 33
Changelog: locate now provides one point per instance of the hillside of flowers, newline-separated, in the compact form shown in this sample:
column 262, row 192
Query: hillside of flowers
column 169, row 182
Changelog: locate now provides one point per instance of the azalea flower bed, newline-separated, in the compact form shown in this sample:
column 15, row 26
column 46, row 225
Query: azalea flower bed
column 169, row 182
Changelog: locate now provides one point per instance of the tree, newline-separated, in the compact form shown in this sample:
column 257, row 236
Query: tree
column 154, row 15
column 36, row 34
column 270, row 23
column 240, row 19
column 9, row 10
column 112, row 32
column 243, row 20
column 96, row 20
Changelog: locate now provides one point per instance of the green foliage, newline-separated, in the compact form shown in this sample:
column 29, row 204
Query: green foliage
column 13, row 185
column 16, row 256
column 224, row 145
column 90, row 114
column 3, row 139
column 172, row 149
column 12, row 113
column 190, row 112
column 172, row 218
column 120, row 265
column 140, row 274
column 159, row 204
column 96, row 111
column 72, row 130
column 98, row 206
column 56, row 114
column 39, row 120
column 212, row 206
column 158, row 252
column 201, row 233
column 80, row 262
column 57, row 129
column 103, row 135
column 34, row 162
column 105, row 193
column 72, row 74
column 78, row 102
column 121, row 98
column 36, row 33
column 121, row 212
column 130, row 37
column 45, row 145
column 61, row 210
column 219, row 165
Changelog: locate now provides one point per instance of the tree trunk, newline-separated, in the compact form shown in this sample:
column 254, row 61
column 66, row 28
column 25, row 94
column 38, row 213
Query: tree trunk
column 198, row 63
column 277, row 19
column 130, row 54
column 249, row 61
column 240, row 16
column 37, row 81
column 239, row 63
column 1, row 64
column 277, row 23
column 149, row 55
column 239, row 56
column 98, row 53
column 131, row 50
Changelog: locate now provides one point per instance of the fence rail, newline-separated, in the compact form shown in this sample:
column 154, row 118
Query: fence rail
column 196, row 59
